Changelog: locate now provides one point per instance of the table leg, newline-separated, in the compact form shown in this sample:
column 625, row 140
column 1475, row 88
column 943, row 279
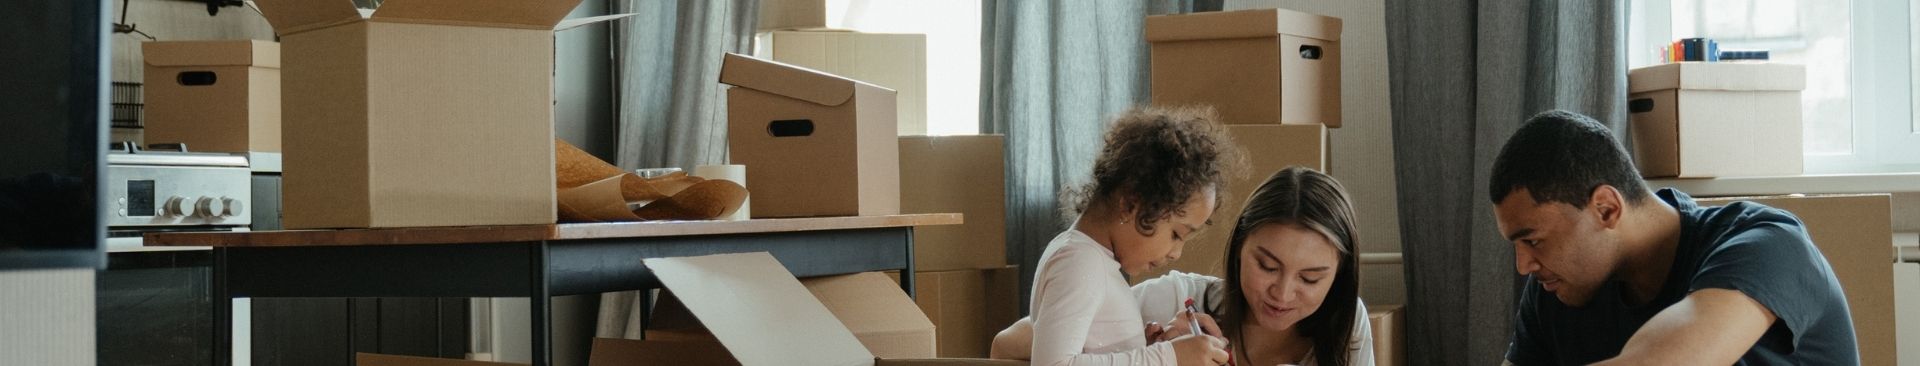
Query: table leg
column 541, row 304
column 906, row 275
column 222, row 310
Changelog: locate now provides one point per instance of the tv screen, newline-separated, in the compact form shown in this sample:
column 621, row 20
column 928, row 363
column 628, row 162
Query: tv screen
column 53, row 130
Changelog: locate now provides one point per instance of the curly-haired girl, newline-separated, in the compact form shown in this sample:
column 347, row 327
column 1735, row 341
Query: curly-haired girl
column 1156, row 182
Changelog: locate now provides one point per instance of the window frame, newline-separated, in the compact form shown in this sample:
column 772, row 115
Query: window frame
column 1881, row 82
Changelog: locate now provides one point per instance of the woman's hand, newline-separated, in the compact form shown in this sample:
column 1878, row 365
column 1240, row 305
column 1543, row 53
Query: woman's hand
column 1200, row 350
column 1180, row 326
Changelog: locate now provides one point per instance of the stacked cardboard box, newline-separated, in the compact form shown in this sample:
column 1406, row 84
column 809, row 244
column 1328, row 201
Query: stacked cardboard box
column 221, row 96
column 1713, row 119
column 816, row 34
column 963, row 281
column 814, row 144
column 1855, row 233
column 1389, row 334
column 968, row 307
column 1273, row 75
column 1262, row 66
column 896, row 61
column 1906, row 297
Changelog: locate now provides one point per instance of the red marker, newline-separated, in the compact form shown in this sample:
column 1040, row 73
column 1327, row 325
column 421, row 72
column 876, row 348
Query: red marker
column 1193, row 320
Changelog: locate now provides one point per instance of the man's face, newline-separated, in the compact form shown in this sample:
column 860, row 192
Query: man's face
column 1565, row 249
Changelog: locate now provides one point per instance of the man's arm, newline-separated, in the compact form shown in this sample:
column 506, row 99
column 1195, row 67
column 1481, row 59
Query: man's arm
column 1710, row 327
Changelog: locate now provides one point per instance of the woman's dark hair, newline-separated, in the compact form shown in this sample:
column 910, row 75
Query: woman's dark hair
column 1312, row 200
column 1158, row 158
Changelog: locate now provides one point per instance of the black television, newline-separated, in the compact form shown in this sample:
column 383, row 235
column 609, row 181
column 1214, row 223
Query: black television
column 53, row 132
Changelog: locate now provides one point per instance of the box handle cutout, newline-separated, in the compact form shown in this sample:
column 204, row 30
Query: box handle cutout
column 197, row 78
column 791, row 128
column 1310, row 52
column 1642, row 105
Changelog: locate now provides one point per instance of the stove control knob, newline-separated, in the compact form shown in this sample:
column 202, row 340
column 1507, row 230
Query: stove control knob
column 208, row 207
column 179, row 206
column 232, row 207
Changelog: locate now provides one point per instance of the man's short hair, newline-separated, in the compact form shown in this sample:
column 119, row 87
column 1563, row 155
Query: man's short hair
column 1561, row 156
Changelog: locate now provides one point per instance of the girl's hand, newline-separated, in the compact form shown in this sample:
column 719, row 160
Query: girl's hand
column 1180, row 326
column 1154, row 331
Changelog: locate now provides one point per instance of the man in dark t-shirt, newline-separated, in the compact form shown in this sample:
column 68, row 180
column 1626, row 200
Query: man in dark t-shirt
column 1617, row 273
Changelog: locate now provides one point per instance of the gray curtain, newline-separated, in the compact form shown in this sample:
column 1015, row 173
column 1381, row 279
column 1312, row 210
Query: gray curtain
column 1052, row 73
column 1465, row 74
column 672, row 110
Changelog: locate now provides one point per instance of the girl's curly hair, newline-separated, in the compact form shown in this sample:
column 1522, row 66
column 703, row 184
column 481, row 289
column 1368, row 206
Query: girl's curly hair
column 1158, row 157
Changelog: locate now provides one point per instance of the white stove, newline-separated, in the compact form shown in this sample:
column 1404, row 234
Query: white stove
column 151, row 191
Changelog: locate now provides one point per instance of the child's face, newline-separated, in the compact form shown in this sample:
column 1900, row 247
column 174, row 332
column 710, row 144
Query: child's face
column 1139, row 253
column 1286, row 271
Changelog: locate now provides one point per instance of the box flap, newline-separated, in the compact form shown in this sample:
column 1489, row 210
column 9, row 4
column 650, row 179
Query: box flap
column 243, row 52
column 759, row 311
column 875, row 309
column 878, row 302
column 524, row 14
column 295, row 16
column 1241, row 24
column 1754, row 76
column 581, row 22
column 788, row 80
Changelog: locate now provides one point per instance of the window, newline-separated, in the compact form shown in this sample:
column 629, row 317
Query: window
column 1859, row 100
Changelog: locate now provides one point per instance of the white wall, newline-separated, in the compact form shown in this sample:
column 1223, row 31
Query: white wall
column 1363, row 146
column 46, row 317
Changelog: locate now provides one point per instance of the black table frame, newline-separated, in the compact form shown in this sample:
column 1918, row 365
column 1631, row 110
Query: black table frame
column 538, row 270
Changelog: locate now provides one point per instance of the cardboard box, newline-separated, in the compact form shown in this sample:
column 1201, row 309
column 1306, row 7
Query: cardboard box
column 814, row 144
column 374, row 359
column 423, row 113
column 1906, row 297
column 1855, row 233
column 892, row 60
column 760, row 315
column 216, row 96
column 968, row 307
column 1718, row 119
column 1269, row 149
column 1254, row 66
column 1389, row 334
column 964, row 174
column 802, row 14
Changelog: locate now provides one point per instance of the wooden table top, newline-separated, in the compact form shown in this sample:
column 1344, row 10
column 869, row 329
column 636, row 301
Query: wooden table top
column 523, row 233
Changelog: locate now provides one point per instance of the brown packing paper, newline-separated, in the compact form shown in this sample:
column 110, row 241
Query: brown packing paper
column 701, row 201
column 591, row 190
column 595, row 202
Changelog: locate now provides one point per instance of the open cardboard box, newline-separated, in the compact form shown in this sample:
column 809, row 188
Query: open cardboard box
column 759, row 314
column 418, row 113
